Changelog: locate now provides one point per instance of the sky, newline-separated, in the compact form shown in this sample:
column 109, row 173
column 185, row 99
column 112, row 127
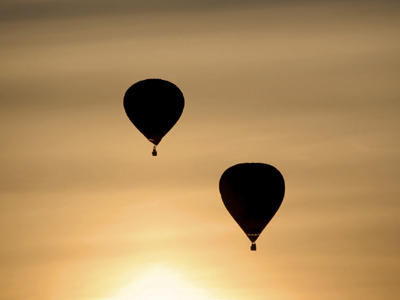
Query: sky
column 310, row 87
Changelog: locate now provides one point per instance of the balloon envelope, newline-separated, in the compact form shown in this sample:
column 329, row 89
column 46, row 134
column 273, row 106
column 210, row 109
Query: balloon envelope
column 154, row 106
column 252, row 193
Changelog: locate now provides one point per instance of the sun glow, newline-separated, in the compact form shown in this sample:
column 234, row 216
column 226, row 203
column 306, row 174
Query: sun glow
column 161, row 283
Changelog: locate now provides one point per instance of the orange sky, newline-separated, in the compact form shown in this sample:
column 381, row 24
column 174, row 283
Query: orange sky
column 86, row 213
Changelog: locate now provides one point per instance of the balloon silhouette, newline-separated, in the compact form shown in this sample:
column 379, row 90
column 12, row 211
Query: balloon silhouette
column 252, row 193
column 154, row 106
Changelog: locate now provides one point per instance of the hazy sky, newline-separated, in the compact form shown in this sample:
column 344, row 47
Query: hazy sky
column 310, row 87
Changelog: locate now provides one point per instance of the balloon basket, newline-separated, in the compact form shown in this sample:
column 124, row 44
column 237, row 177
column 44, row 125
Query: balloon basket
column 253, row 247
column 154, row 153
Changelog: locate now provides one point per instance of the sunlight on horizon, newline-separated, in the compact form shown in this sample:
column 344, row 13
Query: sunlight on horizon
column 161, row 283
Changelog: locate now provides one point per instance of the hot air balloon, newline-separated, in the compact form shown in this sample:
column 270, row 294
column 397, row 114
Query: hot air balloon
column 154, row 106
column 252, row 193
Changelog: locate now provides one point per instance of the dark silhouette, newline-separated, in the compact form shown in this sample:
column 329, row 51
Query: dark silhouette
column 154, row 106
column 252, row 193
column 154, row 153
